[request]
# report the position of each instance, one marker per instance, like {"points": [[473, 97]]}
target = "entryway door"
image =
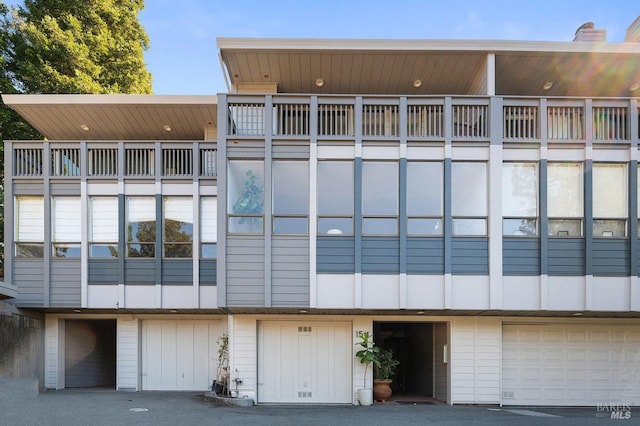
{"points": [[179, 354], [304, 362]]}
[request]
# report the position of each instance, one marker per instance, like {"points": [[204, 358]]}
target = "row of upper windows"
{"points": [[379, 198], [103, 227], [103, 162], [428, 121]]}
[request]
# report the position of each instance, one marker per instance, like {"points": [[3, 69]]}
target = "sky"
{"points": [[183, 57]]}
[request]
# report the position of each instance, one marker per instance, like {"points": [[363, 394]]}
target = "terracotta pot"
{"points": [[381, 390]]}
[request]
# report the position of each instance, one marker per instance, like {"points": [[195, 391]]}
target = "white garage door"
{"points": [[308, 362], [576, 365], [179, 354]]}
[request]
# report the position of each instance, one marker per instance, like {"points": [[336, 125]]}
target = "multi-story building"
{"points": [[473, 204]]}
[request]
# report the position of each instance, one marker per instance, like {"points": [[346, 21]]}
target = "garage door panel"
{"points": [[591, 364], [179, 354], [304, 362]]}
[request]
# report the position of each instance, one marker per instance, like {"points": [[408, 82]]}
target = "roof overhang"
{"points": [[117, 117], [455, 67]]}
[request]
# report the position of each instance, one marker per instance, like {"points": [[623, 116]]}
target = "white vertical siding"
{"points": [[243, 349], [475, 360], [51, 353], [360, 325], [127, 348]]}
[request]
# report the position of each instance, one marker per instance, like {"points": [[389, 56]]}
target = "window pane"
{"points": [[29, 250], [519, 189], [291, 187], [335, 188], [178, 250], [141, 226], [424, 226], [209, 251], [209, 219], [103, 250], [609, 228], [66, 250], [468, 189], [246, 188], [564, 182], [178, 220], [609, 191], [245, 225], [335, 225], [379, 226], [30, 218], [469, 227], [520, 227], [379, 188], [424, 188], [290, 225], [104, 219], [66, 219], [565, 227]]}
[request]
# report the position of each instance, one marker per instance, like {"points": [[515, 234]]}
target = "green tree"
{"points": [[77, 46]]}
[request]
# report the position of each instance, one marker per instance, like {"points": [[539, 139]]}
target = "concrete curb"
{"points": [[226, 401]]}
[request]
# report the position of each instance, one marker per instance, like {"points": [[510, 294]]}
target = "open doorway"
{"points": [[90, 353], [421, 348]]}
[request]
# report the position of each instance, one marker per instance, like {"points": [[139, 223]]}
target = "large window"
{"points": [[208, 227], [290, 197], [610, 195], [424, 198], [469, 198], [379, 198], [520, 199], [245, 197], [141, 226], [335, 197], [103, 228], [65, 226], [29, 227], [178, 227], [565, 199]]}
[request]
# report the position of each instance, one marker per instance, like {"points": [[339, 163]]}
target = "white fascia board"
{"points": [[415, 45], [108, 99]]}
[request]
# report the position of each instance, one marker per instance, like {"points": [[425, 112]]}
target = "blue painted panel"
{"points": [[520, 256], [140, 271], [28, 277], [335, 255], [103, 271], [177, 272], [65, 283], [425, 255], [611, 258], [380, 255], [566, 256], [470, 255], [208, 270]]}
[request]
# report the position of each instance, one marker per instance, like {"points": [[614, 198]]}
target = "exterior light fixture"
{"points": [[303, 311], [634, 87], [417, 83], [84, 127], [166, 128], [548, 85], [420, 312], [577, 314], [173, 311], [77, 311], [319, 82]]}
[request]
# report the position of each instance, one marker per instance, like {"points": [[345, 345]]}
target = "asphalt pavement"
{"points": [[107, 407]]}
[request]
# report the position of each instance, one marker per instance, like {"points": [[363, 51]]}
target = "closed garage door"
{"points": [[179, 355], [307, 362], [575, 365]]}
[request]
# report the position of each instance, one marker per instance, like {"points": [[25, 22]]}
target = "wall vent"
{"points": [[304, 394], [508, 395], [302, 329]]}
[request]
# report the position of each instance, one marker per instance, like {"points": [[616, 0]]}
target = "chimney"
{"points": [[633, 32], [587, 32]]}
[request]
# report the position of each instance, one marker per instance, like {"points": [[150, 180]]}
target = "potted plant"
{"points": [[367, 355], [384, 370]]}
